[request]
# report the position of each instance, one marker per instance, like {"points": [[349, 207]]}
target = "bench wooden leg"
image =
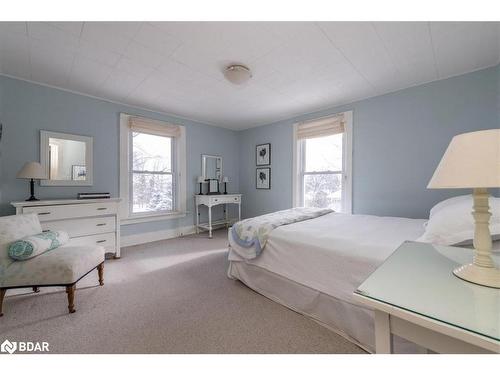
{"points": [[36, 289], [100, 271], [2, 295], [70, 290]]}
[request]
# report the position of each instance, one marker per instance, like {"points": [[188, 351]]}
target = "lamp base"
{"points": [[485, 276], [32, 198]]}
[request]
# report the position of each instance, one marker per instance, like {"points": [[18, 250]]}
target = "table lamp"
{"points": [[472, 160], [225, 180], [32, 171], [201, 180]]}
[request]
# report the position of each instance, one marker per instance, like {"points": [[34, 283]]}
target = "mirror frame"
{"points": [[44, 157], [204, 165]]}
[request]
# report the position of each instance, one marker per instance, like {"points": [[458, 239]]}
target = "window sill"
{"points": [[154, 217]]}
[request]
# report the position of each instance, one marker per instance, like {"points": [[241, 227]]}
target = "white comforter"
{"points": [[334, 253]]}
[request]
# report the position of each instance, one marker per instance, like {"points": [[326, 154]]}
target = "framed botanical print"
{"points": [[263, 154], [263, 178]]}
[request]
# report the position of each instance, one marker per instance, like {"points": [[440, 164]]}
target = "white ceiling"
{"points": [[298, 67]]}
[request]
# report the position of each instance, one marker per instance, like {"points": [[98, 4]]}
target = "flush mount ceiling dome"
{"points": [[237, 74]]}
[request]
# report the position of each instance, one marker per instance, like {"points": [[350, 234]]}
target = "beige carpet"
{"points": [[170, 296]]}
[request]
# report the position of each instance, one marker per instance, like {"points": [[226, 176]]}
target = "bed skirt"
{"points": [[353, 322]]}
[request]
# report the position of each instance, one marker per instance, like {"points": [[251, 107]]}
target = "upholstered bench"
{"points": [[63, 266]]}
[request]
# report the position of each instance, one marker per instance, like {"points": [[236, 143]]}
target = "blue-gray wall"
{"points": [[398, 141], [27, 108]]}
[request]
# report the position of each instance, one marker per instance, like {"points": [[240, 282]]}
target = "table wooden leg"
{"points": [[100, 271], [383, 336], [70, 290], [2, 295]]}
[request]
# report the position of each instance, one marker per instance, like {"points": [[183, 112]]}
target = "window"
{"points": [[152, 173], [152, 169], [323, 163]]}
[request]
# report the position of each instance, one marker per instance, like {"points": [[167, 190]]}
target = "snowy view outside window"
{"points": [[152, 182], [322, 172]]}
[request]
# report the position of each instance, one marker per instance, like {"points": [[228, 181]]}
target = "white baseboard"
{"points": [[140, 238]]}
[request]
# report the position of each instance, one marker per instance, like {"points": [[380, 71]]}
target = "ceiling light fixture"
{"points": [[237, 74]]}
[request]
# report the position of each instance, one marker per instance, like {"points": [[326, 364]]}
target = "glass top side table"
{"points": [[416, 296]]}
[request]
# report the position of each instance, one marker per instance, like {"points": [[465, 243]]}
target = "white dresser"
{"points": [[214, 200], [87, 221]]}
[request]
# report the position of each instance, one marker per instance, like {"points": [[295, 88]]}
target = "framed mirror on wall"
{"points": [[211, 169], [66, 158]]}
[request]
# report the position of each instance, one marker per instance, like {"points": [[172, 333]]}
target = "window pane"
{"points": [[324, 154], [323, 191], [152, 153], [152, 192]]}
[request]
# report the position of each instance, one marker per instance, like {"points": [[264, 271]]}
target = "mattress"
{"points": [[333, 253]]}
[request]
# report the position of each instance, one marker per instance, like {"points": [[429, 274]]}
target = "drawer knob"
{"points": [[44, 213], [102, 208], [100, 224], [100, 241]]}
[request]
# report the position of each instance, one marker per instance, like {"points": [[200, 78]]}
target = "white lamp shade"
{"points": [[225, 179], [472, 160], [32, 169], [201, 179]]}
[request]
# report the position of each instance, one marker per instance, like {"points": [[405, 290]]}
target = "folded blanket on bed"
{"points": [[251, 234]]}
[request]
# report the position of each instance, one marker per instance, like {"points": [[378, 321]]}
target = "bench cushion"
{"points": [[64, 265]]}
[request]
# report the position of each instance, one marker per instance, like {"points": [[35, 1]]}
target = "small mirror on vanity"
{"points": [[66, 158], [211, 169]]}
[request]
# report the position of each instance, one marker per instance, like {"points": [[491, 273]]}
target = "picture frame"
{"points": [[263, 178], [78, 172], [263, 154]]}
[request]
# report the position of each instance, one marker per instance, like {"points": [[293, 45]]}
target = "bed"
{"points": [[313, 267]]}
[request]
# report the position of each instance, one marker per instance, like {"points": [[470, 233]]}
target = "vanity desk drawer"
{"points": [[222, 199]]}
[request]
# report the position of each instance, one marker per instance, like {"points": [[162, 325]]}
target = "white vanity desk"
{"points": [[214, 200]]}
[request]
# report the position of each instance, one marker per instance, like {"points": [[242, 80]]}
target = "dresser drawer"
{"points": [[107, 240], [48, 213], [221, 200], [82, 227]]}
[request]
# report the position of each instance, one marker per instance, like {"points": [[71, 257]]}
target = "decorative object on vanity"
{"points": [[61, 266], [263, 178], [201, 181], [263, 154], [66, 159], [94, 195], [472, 160], [225, 180], [214, 200], [213, 186], [87, 221], [237, 74], [32, 171]]}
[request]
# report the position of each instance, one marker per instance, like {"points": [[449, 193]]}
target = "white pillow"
{"points": [[451, 222]]}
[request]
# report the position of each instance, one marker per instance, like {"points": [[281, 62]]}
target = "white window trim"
{"points": [[180, 178], [347, 166]]}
